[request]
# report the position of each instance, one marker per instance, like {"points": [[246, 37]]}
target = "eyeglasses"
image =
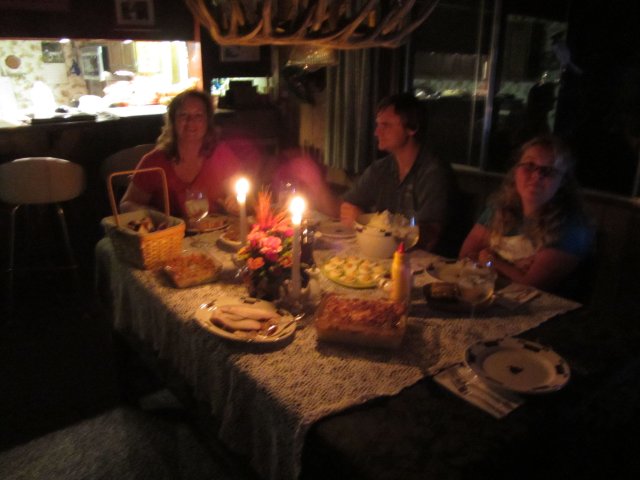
{"points": [[545, 171]]}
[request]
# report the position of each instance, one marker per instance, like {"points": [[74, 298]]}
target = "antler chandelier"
{"points": [[340, 24]]}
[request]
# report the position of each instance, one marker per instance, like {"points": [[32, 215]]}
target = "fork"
{"points": [[275, 327], [496, 409], [470, 377]]}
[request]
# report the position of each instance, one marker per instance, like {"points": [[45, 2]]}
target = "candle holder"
{"points": [[308, 298]]}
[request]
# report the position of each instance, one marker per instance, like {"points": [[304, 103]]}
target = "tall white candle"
{"points": [[242, 187], [296, 207]]}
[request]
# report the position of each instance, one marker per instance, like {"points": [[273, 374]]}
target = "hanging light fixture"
{"points": [[335, 24]]}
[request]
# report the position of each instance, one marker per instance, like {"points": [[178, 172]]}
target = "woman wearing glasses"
{"points": [[534, 230]]}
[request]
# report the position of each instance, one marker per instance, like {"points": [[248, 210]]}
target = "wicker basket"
{"points": [[150, 250]]}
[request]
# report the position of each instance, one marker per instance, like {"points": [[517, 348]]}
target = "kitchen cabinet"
{"points": [[122, 56]]}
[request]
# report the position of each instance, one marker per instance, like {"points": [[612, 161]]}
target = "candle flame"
{"points": [[296, 207], [242, 187]]}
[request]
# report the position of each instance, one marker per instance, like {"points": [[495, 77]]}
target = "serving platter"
{"points": [[354, 272], [218, 317], [518, 365]]}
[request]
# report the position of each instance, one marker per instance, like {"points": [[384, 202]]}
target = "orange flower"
{"points": [[255, 263], [265, 218]]}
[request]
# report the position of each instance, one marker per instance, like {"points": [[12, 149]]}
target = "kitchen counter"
{"points": [[109, 114]]}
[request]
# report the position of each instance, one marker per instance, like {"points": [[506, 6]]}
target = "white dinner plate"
{"points": [[210, 223], [518, 365], [336, 231], [206, 312]]}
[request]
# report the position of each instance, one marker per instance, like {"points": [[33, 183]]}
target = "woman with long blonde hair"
{"points": [[534, 230], [192, 159]]}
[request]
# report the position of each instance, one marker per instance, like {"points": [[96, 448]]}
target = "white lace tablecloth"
{"points": [[267, 398]]}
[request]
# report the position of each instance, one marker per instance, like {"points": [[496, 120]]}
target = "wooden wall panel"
{"points": [[97, 19]]}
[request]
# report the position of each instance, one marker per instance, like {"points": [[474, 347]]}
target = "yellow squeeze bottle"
{"points": [[400, 277]]}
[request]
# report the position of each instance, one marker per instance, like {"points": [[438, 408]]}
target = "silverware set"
{"points": [[468, 384]]}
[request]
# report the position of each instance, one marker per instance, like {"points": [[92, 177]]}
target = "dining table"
{"points": [[304, 408]]}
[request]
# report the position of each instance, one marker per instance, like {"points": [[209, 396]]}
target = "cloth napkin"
{"points": [[496, 403], [514, 295]]}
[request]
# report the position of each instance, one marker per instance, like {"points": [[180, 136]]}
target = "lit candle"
{"points": [[296, 207], [242, 187]]}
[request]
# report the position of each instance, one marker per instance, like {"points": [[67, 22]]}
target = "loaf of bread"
{"points": [[367, 322], [192, 269]]}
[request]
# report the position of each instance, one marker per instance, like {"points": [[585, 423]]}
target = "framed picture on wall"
{"points": [[135, 12], [231, 61]]}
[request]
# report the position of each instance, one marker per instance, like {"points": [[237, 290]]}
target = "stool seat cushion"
{"points": [[40, 180]]}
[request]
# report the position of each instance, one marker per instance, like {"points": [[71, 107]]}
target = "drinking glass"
{"points": [[196, 206], [406, 229], [476, 283], [286, 190]]}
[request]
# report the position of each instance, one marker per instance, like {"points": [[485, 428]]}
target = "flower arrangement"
{"points": [[267, 253]]}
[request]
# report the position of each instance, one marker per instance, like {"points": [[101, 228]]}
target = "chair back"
{"points": [[126, 159], [40, 180]]}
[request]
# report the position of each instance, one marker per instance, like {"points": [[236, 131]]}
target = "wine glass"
{"points": [[406, 229], [476, 283], [286, 190], [196, 207]]}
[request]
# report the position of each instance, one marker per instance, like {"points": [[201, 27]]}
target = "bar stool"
{"points": [[39, 181]]}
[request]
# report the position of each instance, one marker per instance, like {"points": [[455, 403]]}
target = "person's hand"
{"points": [[349, 213], [524, 263], [486, 255]]}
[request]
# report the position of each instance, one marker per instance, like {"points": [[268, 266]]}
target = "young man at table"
{"points": [[409, 180]]}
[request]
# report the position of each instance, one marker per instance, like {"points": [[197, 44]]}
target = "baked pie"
{"points": [[192, 269], [367, 322]]}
